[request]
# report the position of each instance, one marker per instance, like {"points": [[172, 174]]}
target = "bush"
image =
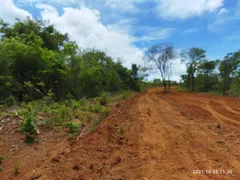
{"points": [[72, 127], [104, 99], [124, 95], [28, 128]]}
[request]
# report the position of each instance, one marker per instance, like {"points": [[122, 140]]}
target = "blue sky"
{"points": [[126, 28]]}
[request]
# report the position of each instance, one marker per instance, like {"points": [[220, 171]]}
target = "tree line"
{"points": [[37, 60], [203, 75]]}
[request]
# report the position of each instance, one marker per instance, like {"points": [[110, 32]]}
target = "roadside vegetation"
{"points": [[46, 79]]}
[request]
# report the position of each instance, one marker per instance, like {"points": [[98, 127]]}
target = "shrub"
{"points": [[75, 105], [72, 127], [104, 99], [124, 95], [96, 122], [28, 128]]}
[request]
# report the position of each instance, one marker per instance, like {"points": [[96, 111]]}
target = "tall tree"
{"points": [[161, 57], [228, 70], [192, 58]]}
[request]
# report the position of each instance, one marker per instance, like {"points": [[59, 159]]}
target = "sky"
{"points": [[125, 29]]}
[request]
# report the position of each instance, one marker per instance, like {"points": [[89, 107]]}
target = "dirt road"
{"points": [[154, 136]]}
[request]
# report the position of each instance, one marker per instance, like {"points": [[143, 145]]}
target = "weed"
{"points": [[82, 102], [89, 116], [72, 127], [1, 159], [95, 108], [104, 99], [96, 122], [122, 129], [16, 168], [28, 128], [63, 111], [75, 105], [1, 169], [124, 95], [91, 129]]}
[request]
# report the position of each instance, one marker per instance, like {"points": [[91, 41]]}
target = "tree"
{"points": [[228, 70], [161, 57], [192, 58], [206, 78]]}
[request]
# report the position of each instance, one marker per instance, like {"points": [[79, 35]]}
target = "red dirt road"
{"points": [[151, 136]]}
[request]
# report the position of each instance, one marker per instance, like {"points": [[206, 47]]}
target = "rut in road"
{"points": [[156, 136]]}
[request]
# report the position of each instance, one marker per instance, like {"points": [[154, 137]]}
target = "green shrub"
{"points": [[104, 99], [95, 108], [28, 127], [63, 111], [96, 122], [91, 129], [75, 105], [124, 95], [72, 127]]}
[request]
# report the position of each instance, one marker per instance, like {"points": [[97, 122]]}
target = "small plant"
{"points": [[124, 95], [1, 159], [104, 99], [72, 127], [63, 111], [16, 168], [96, 122], [122, 129], [95, 108], [28, 128], [75, 105], [89, 116], [91, 129]]}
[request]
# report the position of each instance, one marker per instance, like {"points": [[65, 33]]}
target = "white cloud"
{"points": [[84, 26], [191, 30], [154, 34], [222, 11], [9, 12], [182, 9], [60, 2]]}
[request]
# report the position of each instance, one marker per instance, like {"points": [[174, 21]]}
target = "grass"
{"points": [[180, 88]]}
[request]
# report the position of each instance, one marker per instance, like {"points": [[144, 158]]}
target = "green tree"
{"points": [[192, 58]]}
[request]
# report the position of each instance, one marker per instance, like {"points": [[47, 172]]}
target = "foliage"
{"points": [[28, 127], [124, 95], [104, 99], [37, 61], [215, 76], [193, 57]]}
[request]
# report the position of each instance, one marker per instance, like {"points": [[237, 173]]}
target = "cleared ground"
{"points": [[151, 136]]}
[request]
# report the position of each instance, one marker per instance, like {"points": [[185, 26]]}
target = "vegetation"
{"points": [[36, 59], [216, 76]]}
